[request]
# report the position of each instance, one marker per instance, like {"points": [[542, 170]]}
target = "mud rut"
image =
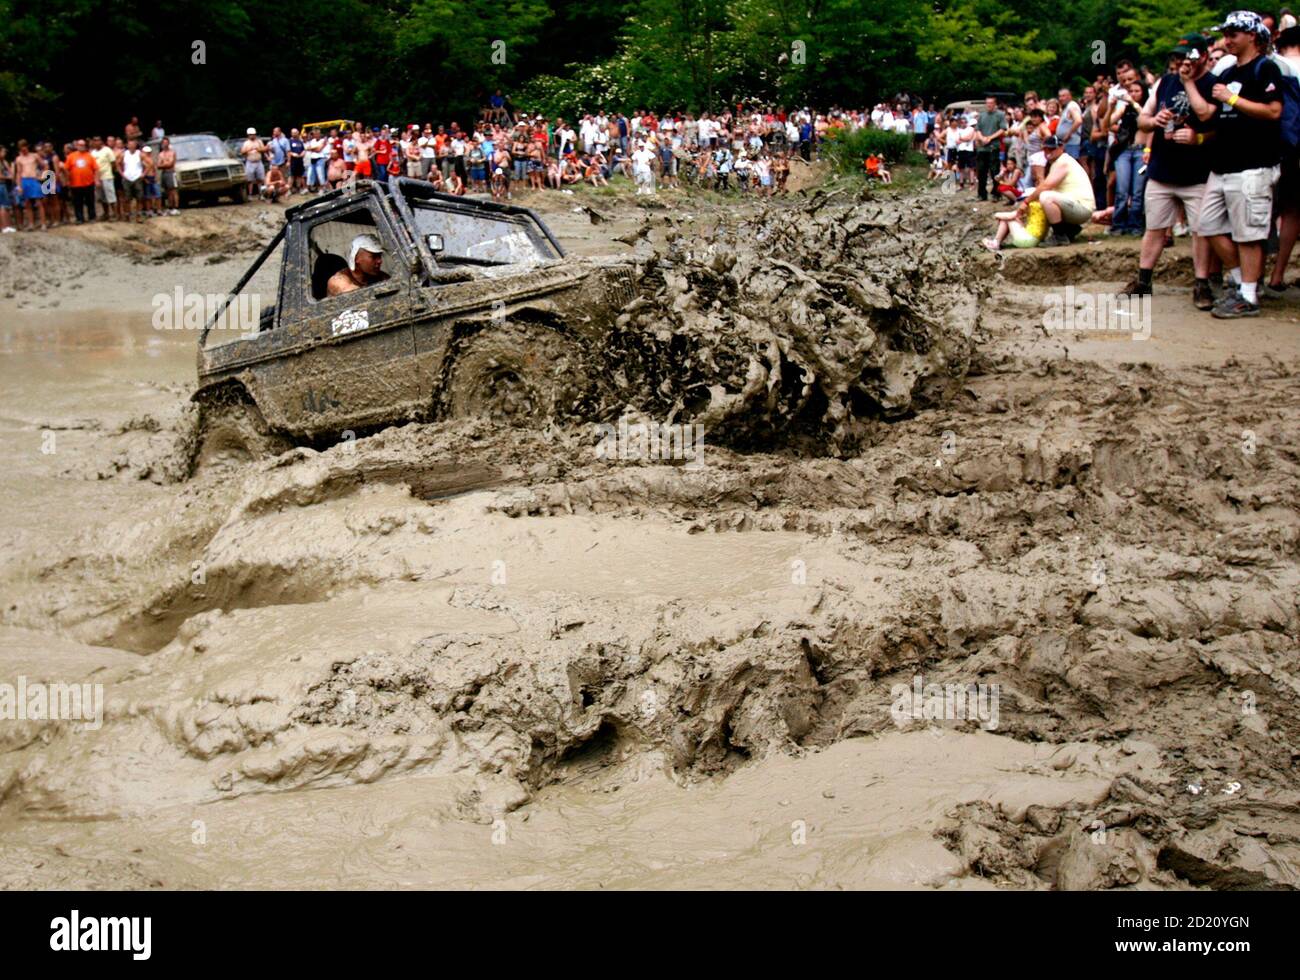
{"points": [[1094, 540]]}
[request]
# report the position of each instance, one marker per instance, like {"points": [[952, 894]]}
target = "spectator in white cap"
{"points": [[253, 152], [365, 257]]}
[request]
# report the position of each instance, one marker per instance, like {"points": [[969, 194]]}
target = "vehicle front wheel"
{"points": [[520, 374], [240, 194], [233, 431]]}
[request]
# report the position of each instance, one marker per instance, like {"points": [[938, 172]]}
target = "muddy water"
{"points": [[318, 671]]}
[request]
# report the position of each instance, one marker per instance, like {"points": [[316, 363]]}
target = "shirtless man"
{"points": [[276, 186], [254, 168], [364, 147], [167, 176], [364, 260], [501, 161], [27, 171]]}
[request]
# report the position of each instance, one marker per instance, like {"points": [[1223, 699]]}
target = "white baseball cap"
{"points": [[367, 243], [252, 131]]}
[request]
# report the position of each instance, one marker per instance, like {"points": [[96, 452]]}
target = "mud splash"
{"points": [[796, 326]]}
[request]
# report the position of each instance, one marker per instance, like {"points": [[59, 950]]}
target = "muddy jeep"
{"points": [[482, 314]]}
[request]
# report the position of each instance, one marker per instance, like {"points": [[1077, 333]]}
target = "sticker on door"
{"points": [[349, 321]]}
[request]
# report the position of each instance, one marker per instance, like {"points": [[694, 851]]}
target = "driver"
{"points": [[364, 260]]}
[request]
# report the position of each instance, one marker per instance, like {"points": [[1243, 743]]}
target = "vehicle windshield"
{"points": [[482, 238], [192, 148]]}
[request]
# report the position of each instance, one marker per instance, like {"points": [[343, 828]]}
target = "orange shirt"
{"points": [[81, 169]]}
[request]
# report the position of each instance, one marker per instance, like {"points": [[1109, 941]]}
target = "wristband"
{"points": [[1232, 99]]}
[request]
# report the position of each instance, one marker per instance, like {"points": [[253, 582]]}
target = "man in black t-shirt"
{"points": [[1179, 165], [1245, 106]]}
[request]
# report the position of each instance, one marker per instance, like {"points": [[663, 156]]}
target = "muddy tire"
{"points": [[520, 374], [232, 431]]}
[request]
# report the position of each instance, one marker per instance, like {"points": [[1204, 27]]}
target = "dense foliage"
{"points": [[88, 65]]}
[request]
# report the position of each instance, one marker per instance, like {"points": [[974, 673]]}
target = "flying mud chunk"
{"points": [[801, 324]]}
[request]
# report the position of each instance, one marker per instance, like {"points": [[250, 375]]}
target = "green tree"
{"points": [[977, 45], [1154, 26]]}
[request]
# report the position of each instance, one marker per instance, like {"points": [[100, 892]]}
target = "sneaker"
{"points": [[8, 231], [1053, 240], [1234, 305], [1137, 287], [991, 244], [1202, 296]]}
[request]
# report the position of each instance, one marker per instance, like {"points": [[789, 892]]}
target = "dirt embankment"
{"points": [[456, 631]]}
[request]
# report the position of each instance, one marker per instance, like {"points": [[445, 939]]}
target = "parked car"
{"points": [[204, 168]]}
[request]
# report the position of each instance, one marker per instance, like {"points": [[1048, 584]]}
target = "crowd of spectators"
{"points": [[1209, 148]]}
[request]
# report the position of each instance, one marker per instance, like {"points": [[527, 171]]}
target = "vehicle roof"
{"points": [[409, 189]]}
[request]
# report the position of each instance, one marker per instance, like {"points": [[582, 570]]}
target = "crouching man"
{"points": [[1065, 194]]}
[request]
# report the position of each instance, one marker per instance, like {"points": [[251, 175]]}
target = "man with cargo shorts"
{"points": [[1178, 167], [1245, 105]]}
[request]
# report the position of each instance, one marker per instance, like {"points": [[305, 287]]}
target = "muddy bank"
{"points": [[452, 654]]}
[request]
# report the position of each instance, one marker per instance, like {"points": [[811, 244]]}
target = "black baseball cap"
{"points": [[1052, 143], [1191, 42]]}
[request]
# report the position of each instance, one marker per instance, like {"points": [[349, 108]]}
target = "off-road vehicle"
{"points": [[482, 314], [204, 168]]}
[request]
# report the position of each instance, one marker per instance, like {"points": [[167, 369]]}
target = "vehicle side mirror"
{"points": [[435, 243]]}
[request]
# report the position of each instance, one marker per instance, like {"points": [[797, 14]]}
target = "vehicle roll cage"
{"points": [[392, 195]]}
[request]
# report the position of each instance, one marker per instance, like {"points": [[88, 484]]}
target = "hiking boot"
{"points": [[1202, 296], [1053, 240], [1234, 305], [1137, 288]]}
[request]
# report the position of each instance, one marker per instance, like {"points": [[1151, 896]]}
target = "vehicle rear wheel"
{"points": [[233, 431], [518, 373]]}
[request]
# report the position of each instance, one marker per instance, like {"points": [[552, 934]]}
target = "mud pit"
{"points": [[461, 656]]}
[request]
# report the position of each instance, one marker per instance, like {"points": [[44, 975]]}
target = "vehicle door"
{"points": [[354, 363]]}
